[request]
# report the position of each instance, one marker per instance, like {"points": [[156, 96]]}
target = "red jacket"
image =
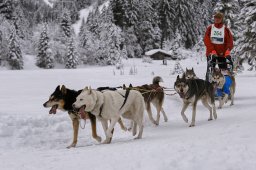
{"points": [[219, 48]]}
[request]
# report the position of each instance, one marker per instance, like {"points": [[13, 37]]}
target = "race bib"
{"points": [[217, 35]]}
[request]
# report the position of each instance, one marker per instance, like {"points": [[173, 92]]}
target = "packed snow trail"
{"points": [[33, 139]]}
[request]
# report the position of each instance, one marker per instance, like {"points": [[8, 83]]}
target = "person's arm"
{"points": [[207, 39]]}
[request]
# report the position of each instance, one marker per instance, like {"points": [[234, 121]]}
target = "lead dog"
{"points": [[110, 105], [63, 98], [193, 90]]}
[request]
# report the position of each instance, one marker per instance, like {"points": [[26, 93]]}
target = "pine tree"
{"points": [[246, 47], [72, 58], [118, 12], [131, 10], [7, 8], [177, 69], [66, 23], [166, 16], [134, 49], [110, 45], [21, 24], [5, 31], [15, 58], [44, 57], [186, 22], [149, 37]]}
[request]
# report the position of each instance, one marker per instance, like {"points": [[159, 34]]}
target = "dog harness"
{"points": [[125, 99], [226, 87]]}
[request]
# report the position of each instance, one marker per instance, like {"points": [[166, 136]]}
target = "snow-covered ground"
{"points": [[31, 139]]}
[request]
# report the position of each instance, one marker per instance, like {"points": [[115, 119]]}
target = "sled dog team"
{"points": [[111, 105]]}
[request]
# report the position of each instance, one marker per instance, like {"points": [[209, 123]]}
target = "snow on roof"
{"points": [[151, 52]]}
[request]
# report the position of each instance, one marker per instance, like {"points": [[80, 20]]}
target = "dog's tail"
{"points": [[157, 80], [233, 83]]}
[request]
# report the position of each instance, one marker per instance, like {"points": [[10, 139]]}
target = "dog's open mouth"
{"points": [[53, 109], [182, 95], [82, 112]]}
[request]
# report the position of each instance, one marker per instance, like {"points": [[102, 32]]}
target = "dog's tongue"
{"points": [[53, 109], [182, 95], [82, 113]]}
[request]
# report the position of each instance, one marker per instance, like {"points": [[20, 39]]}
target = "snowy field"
{"points": [[31, 139]]}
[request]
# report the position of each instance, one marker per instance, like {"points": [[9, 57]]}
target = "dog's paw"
{"points": [[138, 137], [220, 107], [106, 141], [156, 123], [98, 138], [73, 145], [231, 104], [110, 135], [191, 125], [166, 119], [215, 115], [185, 119], [209, 119]]}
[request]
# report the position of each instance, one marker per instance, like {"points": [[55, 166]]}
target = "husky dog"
{"points": [[63, 98], [226, 85], [110, 105], [190, 74], [152, 93], [193, 90]]}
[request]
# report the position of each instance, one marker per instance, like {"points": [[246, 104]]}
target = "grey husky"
{"points": [[193, 90], [190, 74]]}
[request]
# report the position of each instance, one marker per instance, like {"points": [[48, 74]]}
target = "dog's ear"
{"points": [[90, 90], [124, 86], [57, 88], [186, 69], [63, 89], [130, 85], [192, 68], [178, 77], [86, 88]]}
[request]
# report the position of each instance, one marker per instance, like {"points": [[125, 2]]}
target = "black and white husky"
{"points": [[111, 105], [193, 90]]}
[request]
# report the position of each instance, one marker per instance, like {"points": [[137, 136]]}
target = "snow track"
{"points": [[32, 139]]}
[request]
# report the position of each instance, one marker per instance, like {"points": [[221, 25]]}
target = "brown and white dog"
{"points": [[152, 93]]}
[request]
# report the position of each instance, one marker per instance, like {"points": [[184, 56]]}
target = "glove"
{"points": [[214, 53], [227, 53]]}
